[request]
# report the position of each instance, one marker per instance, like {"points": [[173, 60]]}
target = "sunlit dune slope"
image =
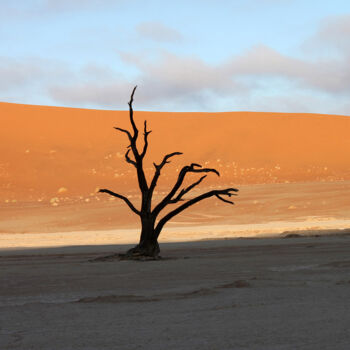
{"points": [[49, 151]]}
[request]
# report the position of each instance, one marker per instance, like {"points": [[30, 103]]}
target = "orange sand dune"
{"points": [[49, 152]]}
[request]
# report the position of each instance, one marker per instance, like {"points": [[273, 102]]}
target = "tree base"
{"points": [[141, 252], [125, 256], [146, 249]]}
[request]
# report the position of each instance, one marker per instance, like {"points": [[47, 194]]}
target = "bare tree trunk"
{"points": [[148, 244]]}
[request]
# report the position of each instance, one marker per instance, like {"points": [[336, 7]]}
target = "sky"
{"points": [[205, 56]]}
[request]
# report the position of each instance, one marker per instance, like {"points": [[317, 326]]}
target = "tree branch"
{"points": [[145, 134], [133, 146], [131, 115], [226, 192], [126, 200], [166, 160], [225, 200], [128, 159], [186, 169], [125, 132], [186, 190], [159, 167]]}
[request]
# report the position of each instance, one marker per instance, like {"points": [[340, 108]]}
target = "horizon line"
{"points": [[151, 111]]}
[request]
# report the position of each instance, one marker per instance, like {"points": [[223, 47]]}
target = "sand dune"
{"points": [[55, 154]]}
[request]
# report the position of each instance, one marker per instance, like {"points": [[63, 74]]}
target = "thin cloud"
{"points": [[330, 75], [22, 80], [157, 31], [93, 85], [87, 94], [189, 81], [333, 32], [32, 71], [14, 73], [167, 81]]}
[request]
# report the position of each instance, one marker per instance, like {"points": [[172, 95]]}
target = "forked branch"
{"points": [[193, 168], [159, 167], [186, 190], [145, 135], [166, 160], [225, 200], [218, 193], [128, 159], [132, 138], [137, 161]]}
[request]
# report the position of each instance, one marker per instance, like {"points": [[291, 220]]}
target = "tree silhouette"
{"points": [[151, 224]]}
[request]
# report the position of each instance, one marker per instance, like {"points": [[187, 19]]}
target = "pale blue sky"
{"points": [[262, 55]]}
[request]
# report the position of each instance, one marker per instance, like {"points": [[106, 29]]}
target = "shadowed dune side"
{"points": [[62, 154]]}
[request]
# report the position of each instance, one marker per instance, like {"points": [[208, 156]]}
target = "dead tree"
{"points": [[151, 224]]}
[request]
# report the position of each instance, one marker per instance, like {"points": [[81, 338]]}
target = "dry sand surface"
{"points": [[293, 172], [233, 294], [313, 205]]}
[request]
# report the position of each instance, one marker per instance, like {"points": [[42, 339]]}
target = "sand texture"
{"points": [[239, 294]]}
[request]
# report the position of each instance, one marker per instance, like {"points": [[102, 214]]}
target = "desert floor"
{"points": [[217, 287], [259, 209], [259, 294]]}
